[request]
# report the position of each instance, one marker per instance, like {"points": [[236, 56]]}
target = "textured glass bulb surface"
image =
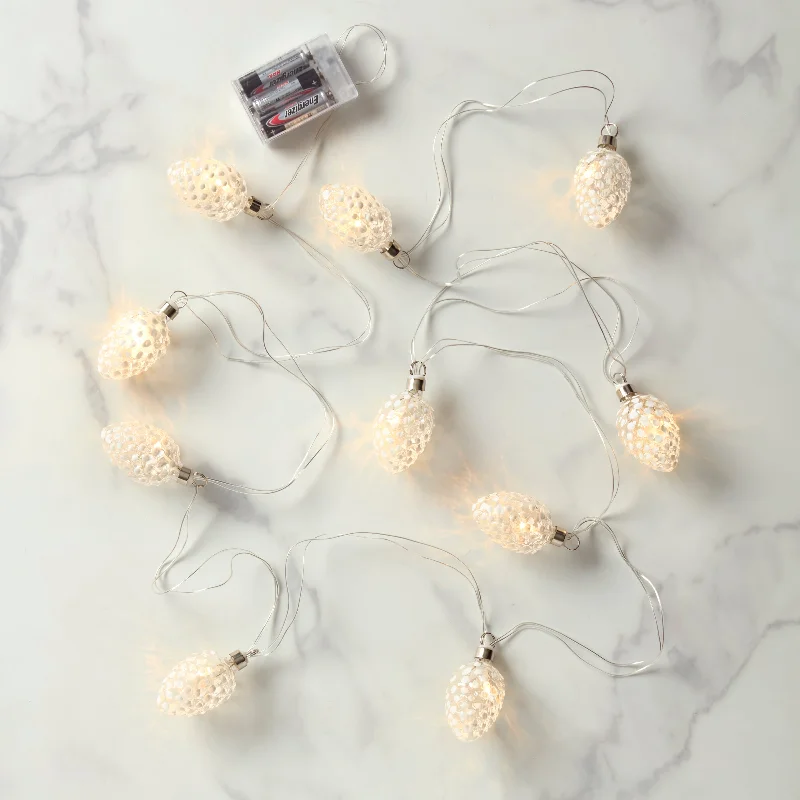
{"points": [[649, 431], [602, 184], [143, 452], [515, 521], [356, 217], [209, 186], [197, 685], [403, 429], [135, 342], [474, 699]]}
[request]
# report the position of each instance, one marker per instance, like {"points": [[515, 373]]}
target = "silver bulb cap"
{"points": [[416, 383], [258, 209], [237, 659], [607, 141], [188, 477], [394, 253], [484, 653], [624, 391], [560, 535], [168, 310]]}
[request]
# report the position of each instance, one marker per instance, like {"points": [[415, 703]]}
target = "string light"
{"points": [[199, 684], [215, 189], [404, 425], [144, 453], [602, 181], [474, 696], [360, 221], [136, 341], [648, 429], [515, 521], [150, 456]]}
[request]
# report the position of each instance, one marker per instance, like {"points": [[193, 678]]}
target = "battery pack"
{"points": [[295, 88]]}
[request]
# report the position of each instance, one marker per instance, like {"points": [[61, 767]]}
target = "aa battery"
{"points": [[276, 72], [301, 108], [264, 102]]}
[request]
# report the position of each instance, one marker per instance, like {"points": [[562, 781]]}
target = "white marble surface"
{"points": [[97, 99]]}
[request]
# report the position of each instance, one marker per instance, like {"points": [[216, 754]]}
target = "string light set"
{"points": [[475, 693], [286, 92]]}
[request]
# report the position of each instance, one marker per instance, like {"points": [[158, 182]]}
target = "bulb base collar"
{"points": [[607, 141], [168, 310], [258, 209], [394, 253], [624, 391], [237, 659], [188, 477], [560, 535]]}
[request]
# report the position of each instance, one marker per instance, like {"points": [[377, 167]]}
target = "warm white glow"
{"points": [[474, 699], [649, 432], [135, 342], [143, 452], [356, 217], [197, 685], [403, 429], [515, 521], [209, 186], [602, 184]]}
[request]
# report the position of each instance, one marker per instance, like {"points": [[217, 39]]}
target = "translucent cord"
{"points": [[180, 299], [175, 554], [586, 654], [444, 184], [583, 652], [289, 618], [326, 262], [614, 367], [572, 382], [342, 41]]}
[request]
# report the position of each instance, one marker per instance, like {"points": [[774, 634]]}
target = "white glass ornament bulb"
{"points": [[602, 184], [649, 431], [210, 187], [474, 699], [356, 217], [135, 342], [197, 685], [515, 521], [143, 452], [402, 430]]}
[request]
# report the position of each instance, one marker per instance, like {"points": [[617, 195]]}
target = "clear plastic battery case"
{"points": [[295, 88]]}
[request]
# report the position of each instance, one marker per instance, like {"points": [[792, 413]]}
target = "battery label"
{"points": [[300, 106]]}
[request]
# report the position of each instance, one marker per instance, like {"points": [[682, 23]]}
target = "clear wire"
{"points": [[586, 654], [175, 554], [582, 651], [471, 261], [293, 608], [465, 107], [327, 264], [328, 427]]}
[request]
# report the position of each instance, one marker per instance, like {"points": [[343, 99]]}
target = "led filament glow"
{"points": [[135, 342], [404, 426], [360, 221], [602, 182], [144, 453], [214, 189], [199, 683], [514, 521], [648, 429], [474, 697]]}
